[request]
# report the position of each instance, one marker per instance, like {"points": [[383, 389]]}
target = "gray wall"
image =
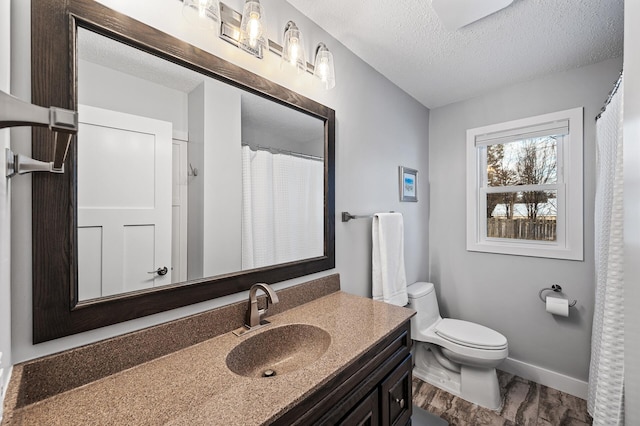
{"points": [[632, 210], [501, 291], [215, 195], [378, 128], [195, 216], [222, 174]]}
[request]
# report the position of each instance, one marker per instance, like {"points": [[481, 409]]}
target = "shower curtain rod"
{"points": [[611, 94], [282, 151]]}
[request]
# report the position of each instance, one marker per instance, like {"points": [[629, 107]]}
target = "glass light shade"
{"points": [[252, 24], [201, 13], [293, 48], [323, 67]]}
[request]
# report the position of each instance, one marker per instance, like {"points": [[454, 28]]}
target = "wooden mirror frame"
{"points": [[56, 309]]}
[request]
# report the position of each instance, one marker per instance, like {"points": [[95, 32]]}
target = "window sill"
{"points": [[530, 249]]}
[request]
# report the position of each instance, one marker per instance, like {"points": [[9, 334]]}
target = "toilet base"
{"points": [[477, 385], [480, 386], [428, 369]]}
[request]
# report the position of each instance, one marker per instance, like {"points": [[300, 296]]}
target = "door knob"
{"points": [[160, 271]]}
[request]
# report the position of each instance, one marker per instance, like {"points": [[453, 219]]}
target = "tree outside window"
{"points": [[514, 213]]}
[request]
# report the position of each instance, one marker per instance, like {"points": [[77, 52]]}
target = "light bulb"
{"points": [[323, 69], [294, 51], [293, 48], [251, 26], [255, 29]]}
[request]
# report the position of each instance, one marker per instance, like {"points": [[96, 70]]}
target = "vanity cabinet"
{"points": [[375, 389]]}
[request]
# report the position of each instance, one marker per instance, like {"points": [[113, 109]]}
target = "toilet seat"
{"points": [[470, 334], [463, 345]]}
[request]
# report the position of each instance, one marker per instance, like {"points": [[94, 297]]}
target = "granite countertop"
{"points": [[194, 386]]}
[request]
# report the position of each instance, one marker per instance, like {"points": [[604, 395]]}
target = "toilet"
{"points": [[457, 356]]}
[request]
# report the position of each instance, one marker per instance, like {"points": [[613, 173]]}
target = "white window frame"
{"points": [[569, 222]]}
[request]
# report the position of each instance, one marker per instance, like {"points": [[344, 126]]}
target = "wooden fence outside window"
{"points": [[542, 229]]}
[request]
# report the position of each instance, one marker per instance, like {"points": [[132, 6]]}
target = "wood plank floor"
{"points": [[523, 403]]}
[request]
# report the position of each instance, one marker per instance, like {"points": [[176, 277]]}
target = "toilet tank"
{"points": [[422, 298]]}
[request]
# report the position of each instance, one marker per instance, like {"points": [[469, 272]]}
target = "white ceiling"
{"points": [[406, 42]]}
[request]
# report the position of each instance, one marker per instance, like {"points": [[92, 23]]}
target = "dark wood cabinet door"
{"points": [[396, 395]]}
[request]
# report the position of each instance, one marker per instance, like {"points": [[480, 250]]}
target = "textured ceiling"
{"points": [[406, 42]]}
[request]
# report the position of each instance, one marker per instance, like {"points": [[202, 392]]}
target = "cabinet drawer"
{"points": [[366, 413], [396, 395]]}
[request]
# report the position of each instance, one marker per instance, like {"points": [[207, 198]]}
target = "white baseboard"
{"points": [[546, 377]]}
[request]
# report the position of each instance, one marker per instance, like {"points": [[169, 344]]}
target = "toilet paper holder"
{"points": [[555, 288]]}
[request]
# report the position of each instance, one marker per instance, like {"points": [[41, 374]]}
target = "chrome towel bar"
{"points": [[346, 216]]}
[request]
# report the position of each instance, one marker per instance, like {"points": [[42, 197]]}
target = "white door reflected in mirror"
{"points": [[124, 202]]}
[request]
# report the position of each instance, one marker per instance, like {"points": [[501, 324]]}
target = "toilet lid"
{"points": [[470, 334], [419, 289]]}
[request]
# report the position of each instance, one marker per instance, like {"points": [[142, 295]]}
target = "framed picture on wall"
{"points": [[408, 184]]}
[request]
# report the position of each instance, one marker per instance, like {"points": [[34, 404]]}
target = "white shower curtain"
{"points": [[282, 208], [606, 374]]}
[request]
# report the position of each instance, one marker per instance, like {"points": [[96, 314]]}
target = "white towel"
{"points": [[389, 282]]}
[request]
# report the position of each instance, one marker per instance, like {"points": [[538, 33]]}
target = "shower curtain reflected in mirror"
{"points": [[282, 208]]}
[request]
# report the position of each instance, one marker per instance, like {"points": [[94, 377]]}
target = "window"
{"points": [[524, 187]]}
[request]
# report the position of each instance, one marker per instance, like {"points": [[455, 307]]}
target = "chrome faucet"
{"points": [[254, 315]]}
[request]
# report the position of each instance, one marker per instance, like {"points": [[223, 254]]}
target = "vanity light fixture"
{"points": [[293, 47], [323, 67], [247, 31], [202, 13], [252, 24], [251, 40]]}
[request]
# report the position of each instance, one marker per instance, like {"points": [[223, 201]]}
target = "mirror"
{"points": [[190, 178], [184, 175]]}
